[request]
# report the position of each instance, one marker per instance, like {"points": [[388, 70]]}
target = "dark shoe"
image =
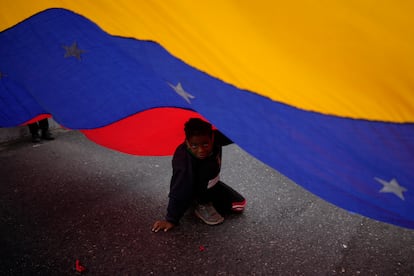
{"points": [[208, 214], [46, 135], [35, 138]]}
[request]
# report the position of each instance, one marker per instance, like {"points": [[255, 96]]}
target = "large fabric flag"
{"points": [[322, 91]]}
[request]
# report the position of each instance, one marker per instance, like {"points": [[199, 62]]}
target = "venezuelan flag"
{"points": [[322, 91]]}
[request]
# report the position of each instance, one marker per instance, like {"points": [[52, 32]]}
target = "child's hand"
{"points": [[162, 225]]}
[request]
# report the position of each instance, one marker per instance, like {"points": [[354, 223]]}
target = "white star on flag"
{"points": [[392, 187], [73, 51], [180, 91]]}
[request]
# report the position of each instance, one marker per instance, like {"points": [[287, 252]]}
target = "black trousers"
{"points": [[43, 125], [224, 198]]}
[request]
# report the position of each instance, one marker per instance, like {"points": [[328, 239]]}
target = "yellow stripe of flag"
{"points": [[351, 58]]}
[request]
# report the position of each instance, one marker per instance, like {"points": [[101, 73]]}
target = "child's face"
{"points": [[201, 146]]}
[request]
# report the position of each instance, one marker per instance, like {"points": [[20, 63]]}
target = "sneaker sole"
{"points": [[206, 221]]}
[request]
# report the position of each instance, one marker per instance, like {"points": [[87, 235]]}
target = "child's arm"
{"points": [[180, 195], [181, 191], [176, 209]]}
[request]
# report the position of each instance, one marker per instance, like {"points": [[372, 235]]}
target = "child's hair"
{"points": [[197, 127]]}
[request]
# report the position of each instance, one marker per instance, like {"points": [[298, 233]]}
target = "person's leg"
{"points": [[204, 209], [44, 124], [226, 199], [34, 130], [44, 127]]}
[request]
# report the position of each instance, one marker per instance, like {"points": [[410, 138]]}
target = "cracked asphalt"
{"points": [[70, 199]]}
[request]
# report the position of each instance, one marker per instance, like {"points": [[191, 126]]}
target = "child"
{"points": [[196, 169]]}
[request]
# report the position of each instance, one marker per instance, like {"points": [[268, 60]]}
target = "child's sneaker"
{"points": [[208, 214]]}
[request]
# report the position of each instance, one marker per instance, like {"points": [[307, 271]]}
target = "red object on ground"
{"points": [[79, 267], [202, 248]]}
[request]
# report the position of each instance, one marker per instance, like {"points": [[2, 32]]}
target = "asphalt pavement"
{"points": [[70, 199]]}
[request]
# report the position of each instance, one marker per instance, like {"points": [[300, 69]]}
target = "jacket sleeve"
{"points": [[181, 187]]}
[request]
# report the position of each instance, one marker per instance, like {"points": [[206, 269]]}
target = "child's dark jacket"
{"points": [[191, 176]]}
